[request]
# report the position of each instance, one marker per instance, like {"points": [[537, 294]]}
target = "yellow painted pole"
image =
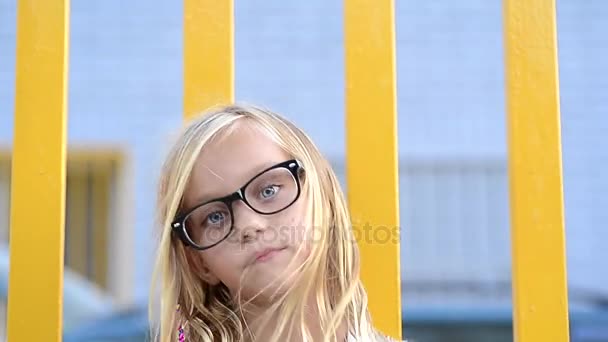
{"points": [[535, 170], [208, 54], [372, 158], [38, 174]]}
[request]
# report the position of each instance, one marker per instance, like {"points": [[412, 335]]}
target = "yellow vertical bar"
{"points": [[372, 158], [38, 173], [535, 169], [208, 54]]}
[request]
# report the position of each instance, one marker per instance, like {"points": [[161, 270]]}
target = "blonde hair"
{"points": [[330, 275]]}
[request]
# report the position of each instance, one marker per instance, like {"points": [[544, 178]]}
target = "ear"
{"points": [[200, 267]]}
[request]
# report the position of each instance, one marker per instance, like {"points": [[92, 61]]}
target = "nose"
{"points": [[248, 224]]}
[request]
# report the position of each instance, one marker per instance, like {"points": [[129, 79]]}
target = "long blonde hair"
{"points": [[330, 275]]}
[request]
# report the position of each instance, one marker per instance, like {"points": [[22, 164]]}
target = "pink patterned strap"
{"points": [[181, 337]]}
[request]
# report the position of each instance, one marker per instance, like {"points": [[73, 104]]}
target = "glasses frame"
{"points": [[179, 223]]}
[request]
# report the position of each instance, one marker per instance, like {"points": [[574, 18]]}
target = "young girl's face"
{"points": [[254, 257]]}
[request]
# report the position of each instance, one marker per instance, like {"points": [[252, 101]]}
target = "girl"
{"points": [[256, 241]]}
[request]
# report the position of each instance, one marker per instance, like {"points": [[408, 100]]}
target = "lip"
{"points": [[267, 254]]}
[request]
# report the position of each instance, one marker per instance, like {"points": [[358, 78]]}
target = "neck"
{"points": [[255, 318]]}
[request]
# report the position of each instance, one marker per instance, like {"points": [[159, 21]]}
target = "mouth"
{"points": [[267, 254]]}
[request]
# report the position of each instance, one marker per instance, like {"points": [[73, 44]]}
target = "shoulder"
{"points": [[378, 338], [388, 339]]}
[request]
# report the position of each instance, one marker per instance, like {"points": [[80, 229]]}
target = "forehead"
{"points": [[227, 163]]}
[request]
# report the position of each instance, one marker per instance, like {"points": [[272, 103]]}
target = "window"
{"points": [[91, 183]]}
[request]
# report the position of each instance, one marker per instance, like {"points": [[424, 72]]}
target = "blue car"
{"points": [[432, 326], [129, 325], [82, 300]]}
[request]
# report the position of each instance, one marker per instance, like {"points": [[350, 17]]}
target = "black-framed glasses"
{"points": [[269, 192]]}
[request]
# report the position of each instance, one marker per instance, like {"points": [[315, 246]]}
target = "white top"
{"points": [[352, 338]]}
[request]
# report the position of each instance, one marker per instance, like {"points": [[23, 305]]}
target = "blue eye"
{"points": [[215, 218], [269, 191]]}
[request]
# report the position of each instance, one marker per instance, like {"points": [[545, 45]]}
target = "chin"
{"points": [[267, 286]]}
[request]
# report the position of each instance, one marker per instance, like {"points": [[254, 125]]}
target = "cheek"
{"points": [[223, 262], [295, 226]]}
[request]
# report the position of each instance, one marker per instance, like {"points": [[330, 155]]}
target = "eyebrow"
{"points": [[206, 198], [213, 172]]}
